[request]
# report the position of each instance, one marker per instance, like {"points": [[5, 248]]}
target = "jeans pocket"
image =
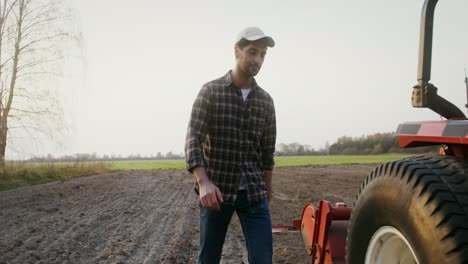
{"points": [[260, 207]]}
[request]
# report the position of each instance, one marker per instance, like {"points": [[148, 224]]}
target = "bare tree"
{"points": [[32, 33]]}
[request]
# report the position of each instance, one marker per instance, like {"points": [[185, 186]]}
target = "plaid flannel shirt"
{"points": [[231, 138]]}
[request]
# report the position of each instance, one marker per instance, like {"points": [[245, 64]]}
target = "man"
{"points": [[229, 149]]}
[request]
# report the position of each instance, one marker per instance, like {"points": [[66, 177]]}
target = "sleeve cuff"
{"points": [[192, 166]]}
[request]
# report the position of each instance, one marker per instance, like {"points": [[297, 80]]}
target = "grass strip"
{"points": [[16, 175], [293, 161]]}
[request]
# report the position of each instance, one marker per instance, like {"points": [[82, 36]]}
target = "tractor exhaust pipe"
{"points": [[424, 93], [425, 42]]}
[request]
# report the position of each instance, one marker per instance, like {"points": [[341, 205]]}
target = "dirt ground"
{"points": [[150, 216]]}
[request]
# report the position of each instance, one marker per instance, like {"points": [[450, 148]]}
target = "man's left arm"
{"points": [[268, 175], [268, 149]]}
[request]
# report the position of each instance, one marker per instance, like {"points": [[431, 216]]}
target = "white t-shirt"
{"points": [[245, 92]]}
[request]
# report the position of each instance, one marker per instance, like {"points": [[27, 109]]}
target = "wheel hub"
{"points": [[389, 246]]}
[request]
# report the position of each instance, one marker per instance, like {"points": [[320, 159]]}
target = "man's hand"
{"points": [[268, 175], [269, 196], [210, 195]]}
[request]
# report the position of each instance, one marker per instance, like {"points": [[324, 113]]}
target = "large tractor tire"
{"points": [[413, 210]]}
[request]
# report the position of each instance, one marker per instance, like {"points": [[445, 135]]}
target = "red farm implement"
{"points": [[413, 210]]}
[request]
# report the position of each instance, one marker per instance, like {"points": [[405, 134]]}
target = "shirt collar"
{"points": [[229, 82]]}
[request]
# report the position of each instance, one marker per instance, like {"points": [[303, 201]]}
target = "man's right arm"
{"points": [[210, 196], [197, 130]]}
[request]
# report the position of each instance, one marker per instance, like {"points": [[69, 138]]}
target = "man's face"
{"points": [[250, 59]]}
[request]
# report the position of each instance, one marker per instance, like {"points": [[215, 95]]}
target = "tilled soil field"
{"points": [[150, 216]]}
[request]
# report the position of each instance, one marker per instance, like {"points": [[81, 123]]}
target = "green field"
{"points": [[26, 174], [280, 161], [336, 160], [148, 165]]}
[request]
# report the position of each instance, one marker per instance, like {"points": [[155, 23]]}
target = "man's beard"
{"points": [[253, 70]]}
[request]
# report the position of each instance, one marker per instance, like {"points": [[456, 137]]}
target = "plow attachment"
{"points": [[323, 231]]}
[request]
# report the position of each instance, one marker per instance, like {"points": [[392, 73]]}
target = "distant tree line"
{"points": [[113, 157], [297, 149], [379, 143]]}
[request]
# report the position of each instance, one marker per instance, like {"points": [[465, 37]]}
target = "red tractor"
{"points": [[413, 210]]}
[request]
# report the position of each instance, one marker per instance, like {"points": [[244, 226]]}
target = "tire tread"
{"points": [[441, 183]]}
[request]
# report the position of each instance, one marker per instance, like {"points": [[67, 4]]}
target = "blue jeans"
{"points": [[256, 225]]}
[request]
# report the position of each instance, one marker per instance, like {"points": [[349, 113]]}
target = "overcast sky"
{"points": [[339, 68]]}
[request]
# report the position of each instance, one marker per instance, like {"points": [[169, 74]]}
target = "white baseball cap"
{"points": [[253, 34]]}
